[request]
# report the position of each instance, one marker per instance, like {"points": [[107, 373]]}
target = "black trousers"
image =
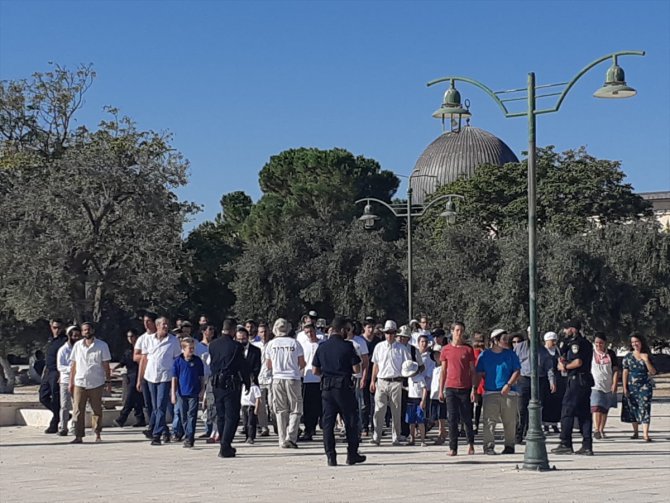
{"points": [[250, 420], [227, 413], [148, 403], [368, 408], [339, 401], [50, 396], [404, 427], [459, 409], [523, 387], [576, 404], [311, 406], [134, 401]]}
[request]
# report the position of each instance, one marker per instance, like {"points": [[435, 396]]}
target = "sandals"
{"points": [[647, 439]]}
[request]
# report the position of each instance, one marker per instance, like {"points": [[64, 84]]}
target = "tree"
{"points": [[575, 191]]}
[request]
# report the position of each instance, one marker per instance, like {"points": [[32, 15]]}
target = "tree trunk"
{"points": [[97, 302], [7, 378]]}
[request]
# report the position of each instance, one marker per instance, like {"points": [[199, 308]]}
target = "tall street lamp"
{"points": [[409, 211], [535, 457]]}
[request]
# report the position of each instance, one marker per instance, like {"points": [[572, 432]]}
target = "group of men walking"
{"points": [[361, 376]]}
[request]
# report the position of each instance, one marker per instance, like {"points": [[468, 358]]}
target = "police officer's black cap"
{"points": [[574, 323]]}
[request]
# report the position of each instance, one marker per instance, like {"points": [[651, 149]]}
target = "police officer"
{"points": [[229, 371], [335, 361], [576, 401]]}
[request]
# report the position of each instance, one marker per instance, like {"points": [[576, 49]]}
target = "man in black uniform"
{"points": [[576, 401], [229, 371], [49, 387], [335, 361]]}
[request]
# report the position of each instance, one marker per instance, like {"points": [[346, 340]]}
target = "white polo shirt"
{"points": [[309, 349], [389, 359], [161, 354], [88, 359], [284, 352]]}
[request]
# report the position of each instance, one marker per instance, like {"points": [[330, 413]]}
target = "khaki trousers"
{"points": [[287, 406], [94, 397], [388, 394], [496, 408]]}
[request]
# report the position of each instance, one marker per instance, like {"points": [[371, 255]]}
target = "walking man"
{"points": [[89, 373], [49, 387], [73, 334]]}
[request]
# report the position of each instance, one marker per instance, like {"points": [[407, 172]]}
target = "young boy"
{"points": [[251, 402], [416, 404], [188, 378], [438, 410]]}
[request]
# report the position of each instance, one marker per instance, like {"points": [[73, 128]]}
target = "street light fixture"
{"points": [[409, 211], [535, 456]]}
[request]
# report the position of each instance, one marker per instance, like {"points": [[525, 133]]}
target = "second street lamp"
{"points": [[409, 211], [535, 455]]}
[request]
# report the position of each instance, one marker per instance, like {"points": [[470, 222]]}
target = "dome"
{"points": [[454, 155]]}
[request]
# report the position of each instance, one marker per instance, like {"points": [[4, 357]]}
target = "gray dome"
{"points": [[454, 155]]}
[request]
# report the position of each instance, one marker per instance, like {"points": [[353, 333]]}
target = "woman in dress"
{"points": [[637, 386], [605, 371]]}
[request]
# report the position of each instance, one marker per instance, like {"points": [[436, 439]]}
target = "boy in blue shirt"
{"points": [[188, 379]]}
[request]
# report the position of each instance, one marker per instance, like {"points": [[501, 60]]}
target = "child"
{"points": [[438, 410], [188, 378], [416, 404], [251, 402]]}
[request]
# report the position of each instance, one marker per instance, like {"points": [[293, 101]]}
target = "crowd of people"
{"points": [[415, 383]]}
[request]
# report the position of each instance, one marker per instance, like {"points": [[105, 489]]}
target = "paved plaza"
{"points": [[38, 468]]}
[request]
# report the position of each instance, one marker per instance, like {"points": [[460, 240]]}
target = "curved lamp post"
{"points": [[409, 211], [535, 457]]}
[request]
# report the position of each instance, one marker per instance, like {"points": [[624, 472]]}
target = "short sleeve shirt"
{"points": [[389, 359], [459, 359], [90, 372], [284, 353], [309, 349], [249, 399], [161, 354], [188, 374], [336, 358], [580, 348], [416, 385]]}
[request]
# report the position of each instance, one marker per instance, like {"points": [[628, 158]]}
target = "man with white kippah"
{"points": [[387, 379], [63, 362], [552, 403]]}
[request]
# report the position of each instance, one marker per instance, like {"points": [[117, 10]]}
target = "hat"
{"points": [[308, 324], [573, 323], [550, 336], [498, 332], [186, 324], [321, 323], [390, 326], [409, 368], [437, 347], [71, 328], [369, 319], [404, 332], [281, 328], [312, 314], [413, 321]]}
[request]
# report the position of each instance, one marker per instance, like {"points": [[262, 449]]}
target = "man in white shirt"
{"points": [[286, 359], [361, 347], [63, 363], [89, 372], [311, 384], [387, 380], [158, 354], [264, 380], [149, 320], [309, 318]]}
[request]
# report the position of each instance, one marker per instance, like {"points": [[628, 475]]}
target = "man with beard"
{"points": [[64, 362], [89, 373], [149, 320], [49, 388]]}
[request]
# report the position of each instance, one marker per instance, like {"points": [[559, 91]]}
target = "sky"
{"points": [[237, 82]]}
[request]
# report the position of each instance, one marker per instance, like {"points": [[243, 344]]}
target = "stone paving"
{"points": [[38, 468]]}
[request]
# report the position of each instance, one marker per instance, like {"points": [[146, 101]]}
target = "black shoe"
{"points": [[119, 423], [156, 441], [305, 438], [584, 452], [140, 424], [188, 443], [289, 445], [508, 450], [77, 440], [332, 461], [555, 428], [148, 434], [490, 451], [178, 438], [227, 453], [562, 449], [62, 433], [51, 429], [352, 459], [166, 438]]}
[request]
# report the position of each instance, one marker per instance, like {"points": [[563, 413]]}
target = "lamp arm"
{"points": [[437, 200], [391, 209], [474, 82], [586, 69]]}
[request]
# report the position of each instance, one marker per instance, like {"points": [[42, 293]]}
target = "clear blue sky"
{"points": [[237, 82]]}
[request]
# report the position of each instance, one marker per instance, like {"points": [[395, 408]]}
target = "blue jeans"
{"points": [[189, 414], [160, 394], [178, 417]]}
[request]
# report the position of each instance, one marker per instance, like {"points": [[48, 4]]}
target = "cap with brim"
{"points": [[309, 324], [409, 368], [404, 332], [498, 332], [437, 347], [390, 326], [281, 328], [550, 336]]}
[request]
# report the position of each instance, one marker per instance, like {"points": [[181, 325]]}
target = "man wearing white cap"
{"points": [[285, 357], [387, 379]]}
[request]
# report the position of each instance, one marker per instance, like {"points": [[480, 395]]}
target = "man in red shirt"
{"points": [[458, 383]]}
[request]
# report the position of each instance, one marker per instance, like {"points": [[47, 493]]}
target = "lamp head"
{"points": [[368, 218], [451, 105], [450, 212], [615, 84]]}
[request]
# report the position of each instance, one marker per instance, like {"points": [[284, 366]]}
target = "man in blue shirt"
{"points": [[188, 379]]}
